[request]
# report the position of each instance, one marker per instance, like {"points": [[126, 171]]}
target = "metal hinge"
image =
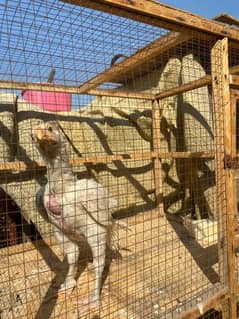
{"points": [[231, 162]]}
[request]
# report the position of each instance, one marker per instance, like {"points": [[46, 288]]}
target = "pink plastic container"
{"points": [[49, 101]]}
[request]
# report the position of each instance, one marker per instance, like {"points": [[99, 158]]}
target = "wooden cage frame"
{"points": [[181, 24]]}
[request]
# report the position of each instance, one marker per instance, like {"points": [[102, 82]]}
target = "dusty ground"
{"points": [[161, 269]]}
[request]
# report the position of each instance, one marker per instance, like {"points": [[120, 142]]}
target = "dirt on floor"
{"points": [[162, 271]]}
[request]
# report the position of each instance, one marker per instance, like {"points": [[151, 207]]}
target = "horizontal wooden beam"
{"points": [[57, 88], [235, 96], [161, 15], [202, 307], [206, 80], [236, 238], [234, 69], [234, 80], [28, 246], [19, 166], [121, 93]]}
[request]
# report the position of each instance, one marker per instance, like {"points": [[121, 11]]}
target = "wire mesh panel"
{"points": [[112, 200]]}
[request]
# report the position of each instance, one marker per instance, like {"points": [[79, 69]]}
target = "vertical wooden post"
{"points": [[157, 161], [226, 197], [233, 103]]}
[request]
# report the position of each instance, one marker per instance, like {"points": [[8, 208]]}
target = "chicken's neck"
{"points": [[59, 173]]}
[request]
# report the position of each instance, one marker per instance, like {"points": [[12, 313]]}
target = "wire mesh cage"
{"points": [[115, 201]]}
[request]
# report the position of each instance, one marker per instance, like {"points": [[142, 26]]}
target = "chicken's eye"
{"points": [[50, 129]]}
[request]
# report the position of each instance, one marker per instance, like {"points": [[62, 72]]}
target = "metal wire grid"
{"points": [[78, 42], [151, 279]]}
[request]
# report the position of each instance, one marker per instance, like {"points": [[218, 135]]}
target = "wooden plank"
{"points": [[235, 94], [206, 80], [227, 18], [19, 166], [224, 179], [234, 80], [17, 85], [156, 117], [231, 223], [231, 186], [234, 100], [233, 137], [26, 247], [236, 241], [161, 15], [202, 308], [234, 69], [119, 93], [57, 88], [157, 47]]}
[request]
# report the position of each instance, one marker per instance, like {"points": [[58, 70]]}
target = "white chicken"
{"points": [[76, 207]]}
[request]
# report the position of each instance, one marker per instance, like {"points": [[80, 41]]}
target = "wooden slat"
{"points": [[19, 166], [237, 241], [233, 135], [234, 80], [234, 69], [227, 18], [231, 186], [157, 161], [26, 247], [120, 93], [206, 80], [224, 179], [161, 15], [234, 97], [17, 85], [231, 223], [202, 308]]}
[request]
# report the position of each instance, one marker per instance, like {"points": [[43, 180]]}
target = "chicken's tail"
{"points": [[115, 239]]}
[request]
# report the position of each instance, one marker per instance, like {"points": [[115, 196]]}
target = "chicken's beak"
{"points": [[42, 135]]}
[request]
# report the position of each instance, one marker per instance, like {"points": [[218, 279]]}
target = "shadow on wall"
{"points": [[194, 178], [187, 126], [138, 178], [119, 127]]}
